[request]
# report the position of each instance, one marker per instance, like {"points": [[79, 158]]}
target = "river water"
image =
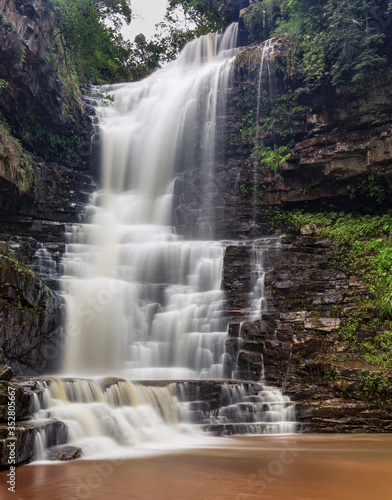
{"points": [[300, 467]]}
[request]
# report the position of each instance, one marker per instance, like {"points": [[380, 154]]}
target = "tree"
{"points": [[97, 51]]}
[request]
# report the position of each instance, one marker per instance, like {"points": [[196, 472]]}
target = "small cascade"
{"points": [[40, 445], [240, 408], [113, 416], [264, 90], [258, 302], [117, 417], [260, 266], [44, 265], [265, 67]]}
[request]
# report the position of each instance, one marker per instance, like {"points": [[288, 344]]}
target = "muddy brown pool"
{"points": [[296, 468]]}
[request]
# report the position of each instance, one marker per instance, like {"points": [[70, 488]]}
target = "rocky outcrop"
{"points": [[32, 240], [38, 199], [18, 432], [342, 137], [21, 447], [55, 198], [30, 320]]}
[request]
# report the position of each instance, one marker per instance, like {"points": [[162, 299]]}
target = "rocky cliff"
{"points": [[42, 117], [38, 96]]}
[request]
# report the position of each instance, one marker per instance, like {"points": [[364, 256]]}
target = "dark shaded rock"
{"points": [[11, 393], [31, 319]]}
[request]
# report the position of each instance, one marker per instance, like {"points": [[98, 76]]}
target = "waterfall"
{"points": [[117, 418], [264, 90], [258, 303], [141, 301]]}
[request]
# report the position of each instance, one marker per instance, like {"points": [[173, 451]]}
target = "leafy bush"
{"points": [[274, 157], [376, 386]]}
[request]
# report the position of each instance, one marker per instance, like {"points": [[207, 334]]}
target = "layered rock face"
{"points": [[18, 432], [31, 320], [296, 342], [341, 154]]}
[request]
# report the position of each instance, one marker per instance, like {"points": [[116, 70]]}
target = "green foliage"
{"points": [[53, 146], [207, 15], [363, 245], [147, 56], [16, 160], [328, 41], [370, 187], [95, 50], [198, 17], [274, 157], [376, 386], [260, 19], [245, 189], [364, 242]]}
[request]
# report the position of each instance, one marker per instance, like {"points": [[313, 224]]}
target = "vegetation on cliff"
{"points": [[329, 41], [363, 247], [15, 163]]}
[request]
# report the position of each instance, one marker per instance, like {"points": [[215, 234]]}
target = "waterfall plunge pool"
{"points": [[300, 467]]}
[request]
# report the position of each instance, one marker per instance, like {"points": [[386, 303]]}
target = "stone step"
{"points": [[247, 428]]}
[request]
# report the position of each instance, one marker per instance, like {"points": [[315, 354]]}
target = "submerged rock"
{"points": [[64, 453]]}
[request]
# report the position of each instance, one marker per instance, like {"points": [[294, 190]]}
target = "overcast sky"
{"points": [[145, 15]]}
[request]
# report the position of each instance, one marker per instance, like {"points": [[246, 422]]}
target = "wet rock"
{"points": [[306, 230], [64, 453], [12, 393], [20, 446], [6, 372]]}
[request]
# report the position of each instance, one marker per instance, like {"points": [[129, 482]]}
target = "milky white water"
{"points": [[141, 302]]}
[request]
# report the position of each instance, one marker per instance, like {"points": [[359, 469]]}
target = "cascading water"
{"points": [[142, 303], [264, 91], [265, 66]]}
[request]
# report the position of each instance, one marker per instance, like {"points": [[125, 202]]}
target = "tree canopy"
{"points": [[89, 31]]}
